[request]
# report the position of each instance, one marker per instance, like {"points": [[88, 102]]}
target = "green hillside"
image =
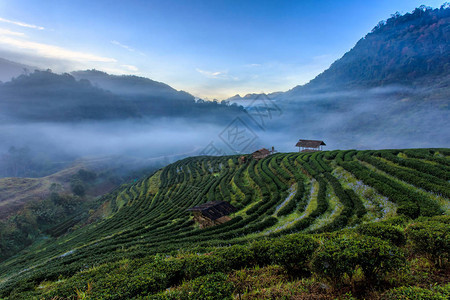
{"points": [[151, 242]]}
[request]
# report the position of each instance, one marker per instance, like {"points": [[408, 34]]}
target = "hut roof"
{"points": [[262, 151], [310, 143], [215, 209]]}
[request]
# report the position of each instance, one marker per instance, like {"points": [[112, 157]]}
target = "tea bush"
{"points": [[441, 219], [431, 238], [198, 265], [293, 252], [211, 287], [385, 232], [215, 286], [417, 293], [261, 252], [235, 256], [342, 255]]}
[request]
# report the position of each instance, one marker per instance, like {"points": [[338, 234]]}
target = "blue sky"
{"points": [[212, 49]]}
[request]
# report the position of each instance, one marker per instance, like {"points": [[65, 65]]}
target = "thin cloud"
{"points": [[130, 68], [22, 24], [253, 65], [51, 51], [116, 70], [9, 32], [217, 74], [126, 47], [209, 74], [123, 46]]}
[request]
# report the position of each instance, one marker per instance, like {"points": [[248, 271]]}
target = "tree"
{"points": [[78, 188]]}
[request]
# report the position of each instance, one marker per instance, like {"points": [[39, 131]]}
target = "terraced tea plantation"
{"points": [[321, 195]]}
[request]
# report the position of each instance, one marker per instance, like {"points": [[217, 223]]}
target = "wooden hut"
{"points": [[309, 145], [261, 153], [242, 160], [212, 213]]}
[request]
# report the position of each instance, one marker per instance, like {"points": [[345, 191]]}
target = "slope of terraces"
{"points": [[285, 193]]}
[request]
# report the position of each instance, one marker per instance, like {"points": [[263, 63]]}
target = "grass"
{"points": [[335, 208], [378, 207], [289, 220]]}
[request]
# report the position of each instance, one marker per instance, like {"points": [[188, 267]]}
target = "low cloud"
{"points": [[21, 24], [138, 138]]}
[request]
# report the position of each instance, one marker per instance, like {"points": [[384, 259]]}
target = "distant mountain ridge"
{"points": [[131, 85], [46, 96], [253, 96], [10, 69]]}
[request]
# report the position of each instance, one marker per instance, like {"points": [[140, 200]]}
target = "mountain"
{"points": [[46, 96], [132, 86], [10, 69], [253, 96], [355, 204], [391, 90], [408, 49]]}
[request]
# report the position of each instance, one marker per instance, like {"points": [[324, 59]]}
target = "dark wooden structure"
{"points": [[309, 145], [242, 159], [212, 213], [261, 153]]}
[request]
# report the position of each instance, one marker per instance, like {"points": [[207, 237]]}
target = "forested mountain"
{"points": [[10, 69], [391, 89], [50, 97], [46, 96], [133, 86], [408, 49], [405, 50]]}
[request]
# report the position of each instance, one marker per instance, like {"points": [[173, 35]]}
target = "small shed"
{"points": [[310, 145], [242, 160], [261, 153], [212, 213]]}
